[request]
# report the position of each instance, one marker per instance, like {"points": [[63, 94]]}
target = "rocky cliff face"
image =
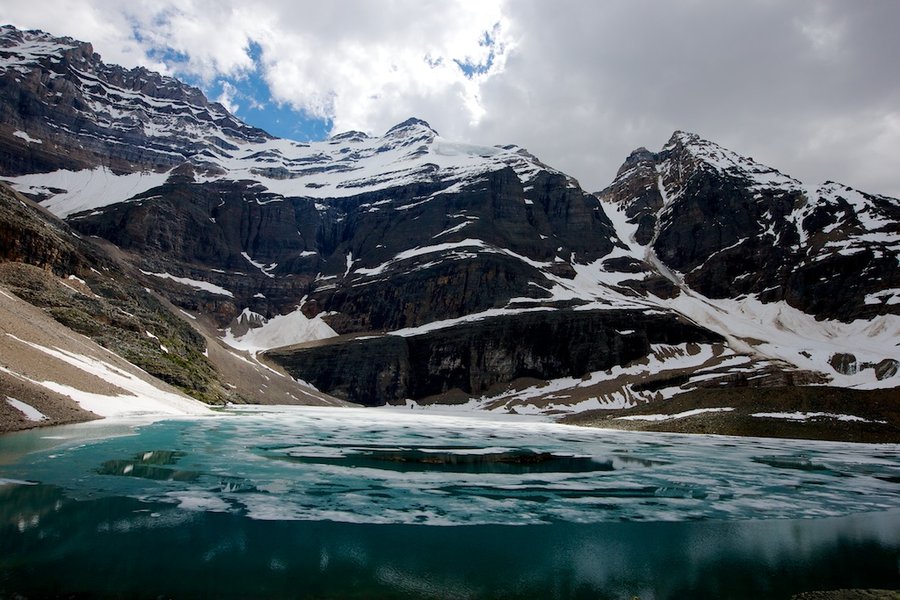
{"points": [[61, 107], [43, 262], [84, 287], [409, 266], [476, 358], [384, 259], [731, 227]]}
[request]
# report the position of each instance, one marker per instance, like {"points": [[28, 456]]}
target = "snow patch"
{"points": [[31, 413], [195, 283], [778, 331], [806, 416], [27, 138], [140, 397], [263, 268], [455, 228], [282, 330], [435, 325], [87, 189], [420, 251], [681, 415]]}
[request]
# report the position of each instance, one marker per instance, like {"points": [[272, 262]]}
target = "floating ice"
{"points": [[403, 466]]}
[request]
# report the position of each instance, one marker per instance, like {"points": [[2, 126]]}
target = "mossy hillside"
{"points": [[44, 263]]}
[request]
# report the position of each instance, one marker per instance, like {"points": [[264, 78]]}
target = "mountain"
{"points": [[72, 111], [806, 274], [409, 267], [732, 227], [81, 334]]}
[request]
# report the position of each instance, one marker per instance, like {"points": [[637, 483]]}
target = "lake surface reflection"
{"points": [[318, 503]]}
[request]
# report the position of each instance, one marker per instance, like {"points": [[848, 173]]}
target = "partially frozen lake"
{"points": [[310, 503]]}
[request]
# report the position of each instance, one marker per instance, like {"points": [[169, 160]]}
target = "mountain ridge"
{"points": [[802, 234], [412, 268], [123, 119]]}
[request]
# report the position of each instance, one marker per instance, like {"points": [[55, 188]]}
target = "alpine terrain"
{"points": [[407, 268]]}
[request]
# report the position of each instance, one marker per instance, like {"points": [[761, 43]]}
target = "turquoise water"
{"points": [[319, 503]]}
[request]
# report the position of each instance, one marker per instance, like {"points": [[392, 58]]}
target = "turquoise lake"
{"points": [[370, 503]]}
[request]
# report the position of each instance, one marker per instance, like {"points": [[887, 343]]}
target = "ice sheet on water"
{"points": [[358, 465]]}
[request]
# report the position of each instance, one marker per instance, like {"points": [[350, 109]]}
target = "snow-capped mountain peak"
{"points": [[731, 226], [21, 48], [352, 136], [84, 113], [99, 134], [345, 165], [713, 156], [494, 265], [411, 126]]}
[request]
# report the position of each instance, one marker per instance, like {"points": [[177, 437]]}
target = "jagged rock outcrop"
{"points": [[730, 227], [398, 266], [31, 235], [476, 357], [61, 107]]}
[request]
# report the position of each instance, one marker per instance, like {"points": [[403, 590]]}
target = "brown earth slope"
{"points": [[875, 414]]}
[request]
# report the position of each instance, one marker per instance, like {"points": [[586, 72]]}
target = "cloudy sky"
{"points": [[809, 87]]}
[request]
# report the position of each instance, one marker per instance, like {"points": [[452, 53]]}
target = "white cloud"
{"points": [[874, 137], [366, 65], [368, 68], [228, 96], [213, 37], [805, 86], [589, 82], [106, 24], [824, 31]]}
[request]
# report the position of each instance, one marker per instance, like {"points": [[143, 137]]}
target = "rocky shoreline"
{"points": [[812, 413], [806, 413], [849, 595]]}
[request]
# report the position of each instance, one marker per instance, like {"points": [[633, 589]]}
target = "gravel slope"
{"points": [[814, 412]]}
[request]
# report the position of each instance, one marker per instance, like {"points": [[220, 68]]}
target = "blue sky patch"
{"points": [[471, 69], [250, 93]]}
